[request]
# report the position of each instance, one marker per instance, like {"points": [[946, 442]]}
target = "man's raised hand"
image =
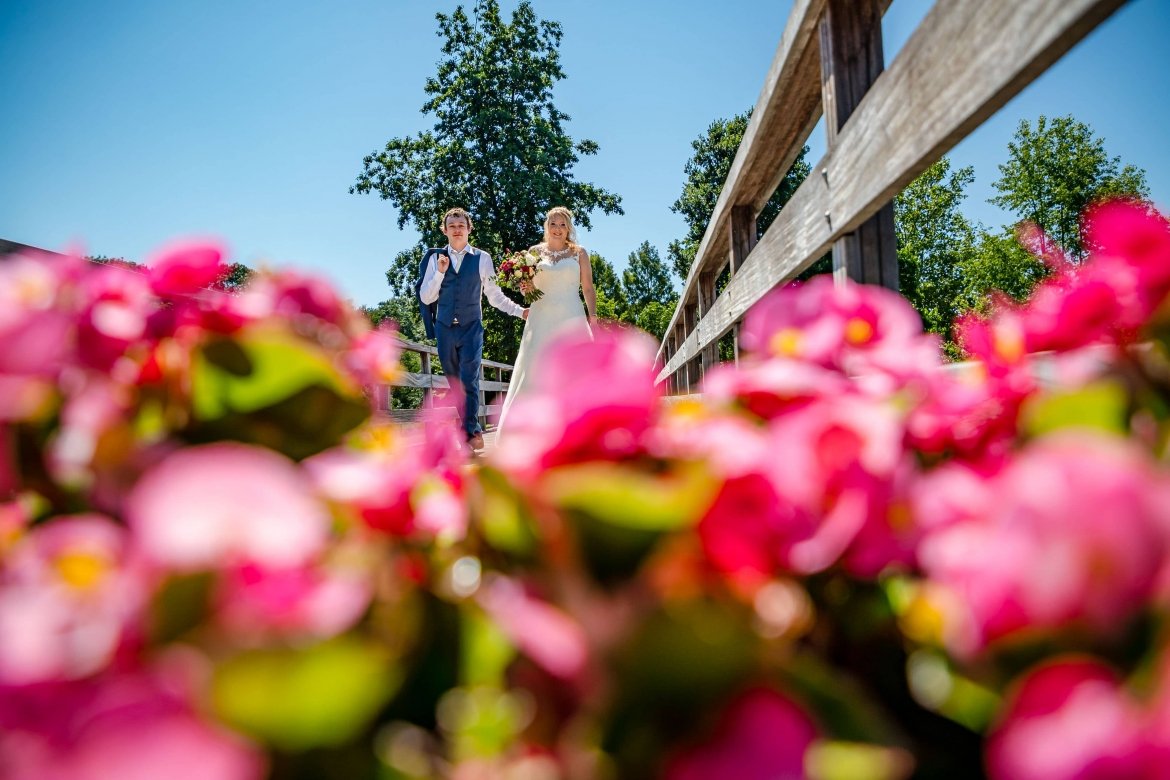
{"points": [[443, 263]]}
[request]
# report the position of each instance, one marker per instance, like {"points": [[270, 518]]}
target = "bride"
{"points": [[564, 274]]}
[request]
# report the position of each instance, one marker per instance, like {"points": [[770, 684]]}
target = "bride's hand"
{"points": [[526, 287]]}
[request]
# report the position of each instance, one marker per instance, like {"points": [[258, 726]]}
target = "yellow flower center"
{"points": [[786, 342], [1009, 344], [899, 517], [81, 570], [858, 331]]}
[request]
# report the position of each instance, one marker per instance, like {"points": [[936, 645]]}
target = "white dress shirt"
{"points": [[433, 280]]}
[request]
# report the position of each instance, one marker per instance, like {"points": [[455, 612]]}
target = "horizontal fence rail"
{"points": [[429, 382], [965, 61]]}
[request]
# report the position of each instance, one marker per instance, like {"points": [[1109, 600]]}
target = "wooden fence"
{"points": [[884, 125], [429, 382]]}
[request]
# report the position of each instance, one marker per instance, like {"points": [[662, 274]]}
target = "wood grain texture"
{"points": [[964, 62]]}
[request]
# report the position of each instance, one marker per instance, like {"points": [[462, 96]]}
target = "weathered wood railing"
{"points": [[428, 382], [884, 127]]}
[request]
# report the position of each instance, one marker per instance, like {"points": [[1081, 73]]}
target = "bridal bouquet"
{"points": [[520, 267]]}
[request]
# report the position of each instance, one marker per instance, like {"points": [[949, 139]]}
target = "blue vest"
{"points": [[461, 294]]}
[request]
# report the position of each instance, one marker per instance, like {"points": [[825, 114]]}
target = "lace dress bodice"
{"points": [[558, 309]]}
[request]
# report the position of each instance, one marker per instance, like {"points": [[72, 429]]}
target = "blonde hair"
{"points": [[457, 212], [561, 211]]}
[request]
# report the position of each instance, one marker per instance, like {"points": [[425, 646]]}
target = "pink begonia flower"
{"points": [[118, 304], [962, 410], [761, 735], [771, 387], [1075, 535], [317, 602], [403, 488], [185, 267], [94, 408], [803, 512], [293, 295], [853, 328], [37, 327], [592, 399], [136, 725], [66, 596], [373, 357], [226, 504], [1069, 720], [1135, 236], [550, 637]]}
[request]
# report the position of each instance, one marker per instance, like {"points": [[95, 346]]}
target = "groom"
{"points": [[454, 280]]}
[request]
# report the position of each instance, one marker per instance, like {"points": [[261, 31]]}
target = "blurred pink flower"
{"points": [[118, 304], [805, 511], [1138, 238], [373, 357], [185, 267], [1068, 720], [592, 399], [550, 637], [402, 487], [1075, 534], [226, 504], [962, 410], [770, 387], [136, 725], [67, 596], [761, 735], [853, 328], [317, 602], [37, 326]]}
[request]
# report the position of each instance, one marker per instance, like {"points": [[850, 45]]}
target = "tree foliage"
{"points": [[646, 278], [706, 172], [934, 241], [1054, 170], [498, 147], [611, 297]]}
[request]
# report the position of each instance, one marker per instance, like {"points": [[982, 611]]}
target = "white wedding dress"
{"points": [[559, 309]]}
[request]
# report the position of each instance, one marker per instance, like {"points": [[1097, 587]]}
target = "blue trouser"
{"points": [[460, 354]]}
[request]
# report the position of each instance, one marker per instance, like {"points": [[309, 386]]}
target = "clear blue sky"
{"points": [[127, 123]]}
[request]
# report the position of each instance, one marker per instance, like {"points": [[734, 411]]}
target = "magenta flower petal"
{"points": [[184, 268], [1068, 720], [761, 736]]}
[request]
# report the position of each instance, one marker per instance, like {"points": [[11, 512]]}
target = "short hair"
{"points": [[457, 212]]}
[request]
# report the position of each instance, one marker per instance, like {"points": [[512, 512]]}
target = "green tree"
{"points": [[498, 148], [655, 316], [611, 298], [403, 313], [934, 241], [1057, 168], [998, 262], [646, 278], [706, 172], [235, 278]]}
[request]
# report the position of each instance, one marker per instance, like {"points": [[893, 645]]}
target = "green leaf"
{"points": [[629, 498], [834, 760], [269, 387], [299, 699], [1100, 405], [486, 650]]}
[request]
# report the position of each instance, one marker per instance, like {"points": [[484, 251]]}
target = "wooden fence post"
{"points": [[709, 356], [743, 239], [851, 60]]}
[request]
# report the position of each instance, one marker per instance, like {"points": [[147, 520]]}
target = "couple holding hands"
{"points": [[453, 280]]}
